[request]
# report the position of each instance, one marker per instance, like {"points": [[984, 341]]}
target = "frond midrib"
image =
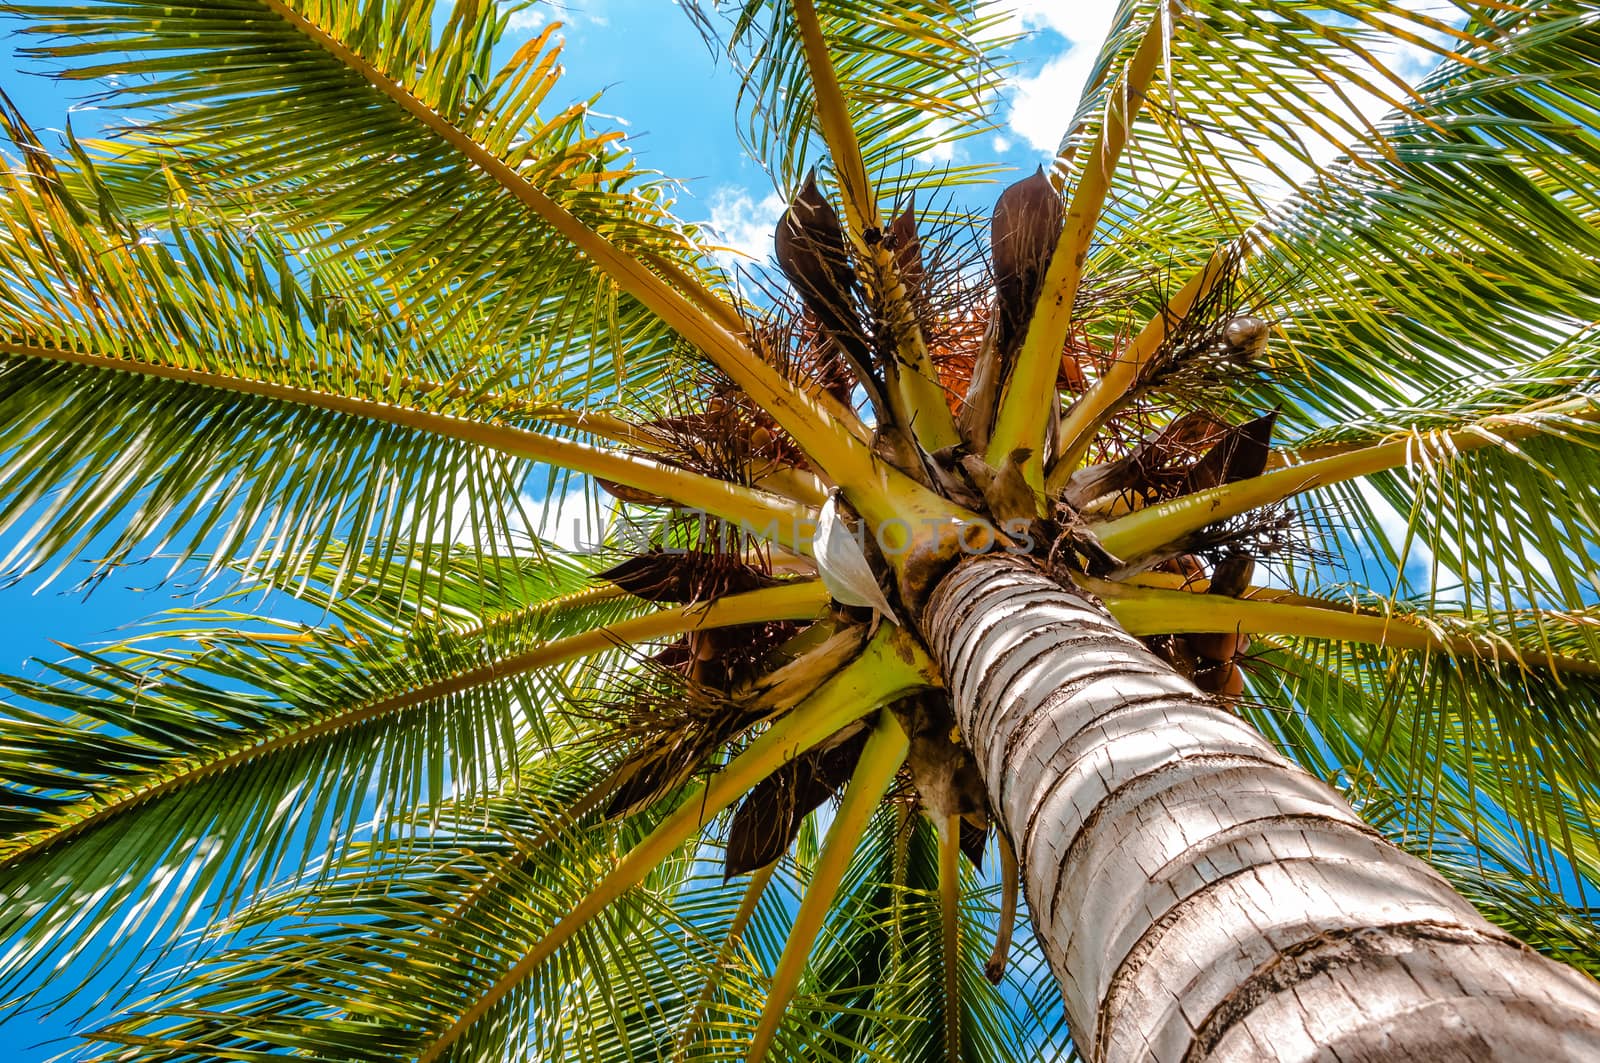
{"points": [[722, 498], [821, 427], [798, 600]]}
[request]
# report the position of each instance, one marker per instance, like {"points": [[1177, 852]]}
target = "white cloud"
{"points": [[1394, 527], [570, 520], [940, 153], [743, 225], [575, 519], [572, 14], [528, 19], [1042, 103], [1358, 106]]}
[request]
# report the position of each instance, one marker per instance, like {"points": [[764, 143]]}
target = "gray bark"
{"points": [[1198, 896]]}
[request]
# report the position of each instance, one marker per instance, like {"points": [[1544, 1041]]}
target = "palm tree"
{"points": [[958, 519]]}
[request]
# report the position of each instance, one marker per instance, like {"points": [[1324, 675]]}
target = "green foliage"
{"points": [[225, 333], [918, 76], [446, 238], [170, 778], [1487, 755], [410, 931]]}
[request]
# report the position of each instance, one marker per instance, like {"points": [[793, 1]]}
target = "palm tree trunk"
{"points": [[1198, 896]]}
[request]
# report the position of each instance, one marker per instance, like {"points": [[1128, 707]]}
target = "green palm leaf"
{"points": [[273, 403], [1452, 235], [402, 966], [1482, 749], [284, 144], [917, 76], [215, 760]]}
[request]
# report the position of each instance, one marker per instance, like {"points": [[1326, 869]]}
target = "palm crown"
{"points": [[315, 319]]}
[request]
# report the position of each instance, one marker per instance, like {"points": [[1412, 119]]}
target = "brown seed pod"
{"points": [[907, 247], [675, 578], [1225, 679], [624, 493], [973, 840], [812, 253], [652, 772], [1006, 491], [675, 656], [1155, 469], [769, 818], [811, 249], [1241, 453], [1023, 232], [1229, 577]]}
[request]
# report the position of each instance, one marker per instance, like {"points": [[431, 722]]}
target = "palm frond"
{"points": [[918, 77], [268, 407], [874, 984], [381, 932], [204, 765], [1265, 91], [1487, 750], [449, 587], [1468, 247], [1510, 525], [1403, 231], [371, 82], [1526, 445], [447, 235], [389, 917], [414, 931]]}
